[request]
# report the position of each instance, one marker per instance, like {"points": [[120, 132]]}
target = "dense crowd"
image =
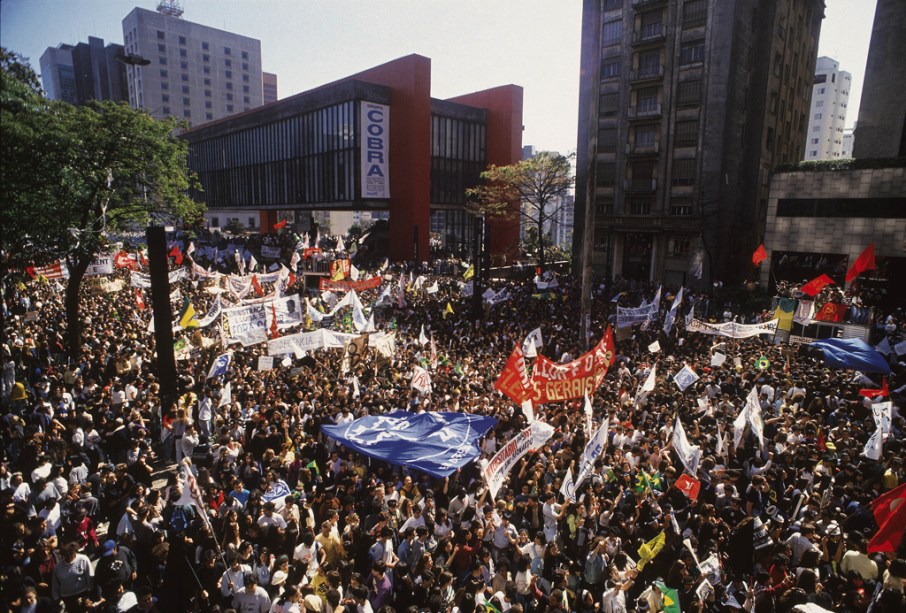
{"points": [[95, 516]]}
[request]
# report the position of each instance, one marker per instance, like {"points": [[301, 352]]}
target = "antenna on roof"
{"points": [[170, 8]]}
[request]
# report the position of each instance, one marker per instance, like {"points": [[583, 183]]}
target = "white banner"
{"points": [[245, 324], [628, 316], [733, 329], [503, 461], [103, 265], [138, 279], [272, 253], [375, 148]]}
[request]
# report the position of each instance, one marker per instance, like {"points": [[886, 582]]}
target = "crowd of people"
{"points": [[96, 517]]}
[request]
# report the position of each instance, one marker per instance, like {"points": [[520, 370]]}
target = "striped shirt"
{"points": [[72, 578]]}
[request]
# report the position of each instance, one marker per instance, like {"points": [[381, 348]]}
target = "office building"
{"points": [[881, 132], [194, 72], [375, 141], [57, 74], [269, 87], [827, 117], [86, 71], [686, 107], [849, 138]]}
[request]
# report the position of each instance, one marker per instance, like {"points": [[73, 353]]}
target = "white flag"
{"points": [[739, 427], [353, 272], [422, 337], [697, 273], [433, 288], [654, 347], [684, 378], [721, 447], [648, 386], [253, 263], [294, 261], [874, 445], [314, 314], [594, 448], [589, 413], [753, 414], [534, 335], [355, 387], [671, 315], [690, 455], [340, 246], [226, 395], [690, 317], [718, 359], [421, 380], [529, 411], [568, 489], [882, 413], [530, 351]]}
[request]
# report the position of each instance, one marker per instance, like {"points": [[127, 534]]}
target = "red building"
{"points": [[374, 141]]}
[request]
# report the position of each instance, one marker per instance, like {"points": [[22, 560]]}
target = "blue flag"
{"points": [[434, 443], [852, 354], [220, 365]]}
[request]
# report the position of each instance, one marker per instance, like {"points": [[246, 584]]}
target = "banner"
{"points": [[553, 382], [103, 265], [733, 329], [499, 466], [326, 285], [271, 253], [245, 324], [288, 310], [354, 353], [124, 259], [143, 281], [513, 381], [56, 270], [434, 443], [374, 120], [421, 380]]}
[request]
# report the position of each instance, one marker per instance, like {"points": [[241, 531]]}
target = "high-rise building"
{"points": [[193, 72], [848, 140], [57, 74], [686, 106], [86, 71], [269, 87], [881, 132], [827, 118]]}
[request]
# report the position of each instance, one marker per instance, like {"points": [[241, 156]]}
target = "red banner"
{"points": [[553, 382], [689, 486], [513, 380], [326, 285], [125, 260], [310, 252], [831, 312], [816, 285], [57, 270]]}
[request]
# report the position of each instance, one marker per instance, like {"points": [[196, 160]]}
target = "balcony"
{"points": [[644, 111], [646, 73], [642, 149], [651, 222], [640, 185], [651, 33], [645, 4]]}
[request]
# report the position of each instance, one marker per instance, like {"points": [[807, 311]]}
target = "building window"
{"points": [[769, 140], [245, 78], [165, 97], [814, 141], [610, 69], [606, 174], [207, 69], [185, 77], [207, 81], [246, 89], [816, 128], [182, 40], [185, 89], [229, 97], [186, 102], [681, 208], [819, 115], [608, 104], [209, 116], [228, 63], [678, 246], [692, 53], [207, 93], [251, 222], [607, 140], [161, 48], [207, 104], [820, 103], [229, 85], [645, 137], [186, 113], [229, 108], [245, 65], [160, 35], [246, 100], [686, 133], [612, 33], [163, 73], [205, 46], [778, 65], [646, 100], [215, 222], [165, 110], [164, 85], [695, 13], [228, 74], [227, 51], [689, 93], [162, 61], [183, 53], [814, 153], [205, 57], [245, 55], [184, 65], [684, 172], [820, 78], [639, 207]]}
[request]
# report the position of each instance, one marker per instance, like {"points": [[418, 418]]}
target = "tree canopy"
{"points": [[533, 189], [71, 174]]}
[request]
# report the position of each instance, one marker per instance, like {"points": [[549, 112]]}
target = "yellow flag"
{"points": [[449, 310], [338, 274], [187, 316], [648, 551], [469, 273]]}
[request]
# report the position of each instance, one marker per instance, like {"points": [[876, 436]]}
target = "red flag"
{"points": [[176, 254], [873, 393], [31, 272], [865, 261], [290, 279], [274, 332], [816, 285], [139, 300], [760, 255], [142, 259], [821, 443], [890, 515], [831, 312], [513, 380], [689, 486], [257, 285], [280, 225]]}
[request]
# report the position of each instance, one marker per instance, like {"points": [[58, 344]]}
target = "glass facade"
{"points": [[309, 158]]}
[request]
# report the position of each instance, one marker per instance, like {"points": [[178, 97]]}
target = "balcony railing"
{"points": [[640, 185], [641, 111], [650, 33], [646, 73], [642, 4], [662, 222], [644, 148]]}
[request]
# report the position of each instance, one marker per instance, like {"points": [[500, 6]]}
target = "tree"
{"points": [[539, 184], [72, 173]]}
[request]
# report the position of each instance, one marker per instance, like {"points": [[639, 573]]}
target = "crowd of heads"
{"points": [[96, 513]]}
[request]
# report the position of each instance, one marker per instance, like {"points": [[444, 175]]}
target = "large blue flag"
{"points": [[435, 443], [853, 354]]}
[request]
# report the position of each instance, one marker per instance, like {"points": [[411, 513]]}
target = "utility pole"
{"points": [[163, 318]]}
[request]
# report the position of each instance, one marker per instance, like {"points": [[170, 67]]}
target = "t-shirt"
{"points": [[252, 602]]}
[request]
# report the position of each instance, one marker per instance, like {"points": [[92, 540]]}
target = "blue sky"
{"points": [[473, 44]]}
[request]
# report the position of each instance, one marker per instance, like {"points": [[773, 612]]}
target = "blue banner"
{"points": [[434, 443], [853, 354]]}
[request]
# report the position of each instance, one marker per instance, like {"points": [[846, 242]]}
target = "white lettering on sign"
{"points": [[375, 150]]}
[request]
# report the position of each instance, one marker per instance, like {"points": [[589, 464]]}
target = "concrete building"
{"points": [[86, 71], [881, 131], [196, 73], [849, 138], [372, 142], [686, 106], [58, 75], [827, 118], [269, 87]]}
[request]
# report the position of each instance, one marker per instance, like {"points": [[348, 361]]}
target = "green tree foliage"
{"points": [[70, 174], [538, 184]]}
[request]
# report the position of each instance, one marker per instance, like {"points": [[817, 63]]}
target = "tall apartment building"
{"points": [[830, 96], [881, 132], [686, 107], [848, 140], [269, 87], [86, 71], [194, 72], [57, 74]]}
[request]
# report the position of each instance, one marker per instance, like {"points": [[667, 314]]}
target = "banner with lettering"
{"points": [[326, 285], [733, 329], [103, 265], [513, 381], [245, 324], [627, 316], [553, 382], [497, 469]]}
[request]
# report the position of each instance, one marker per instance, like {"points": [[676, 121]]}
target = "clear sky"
{"points": [[473, 44]]}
